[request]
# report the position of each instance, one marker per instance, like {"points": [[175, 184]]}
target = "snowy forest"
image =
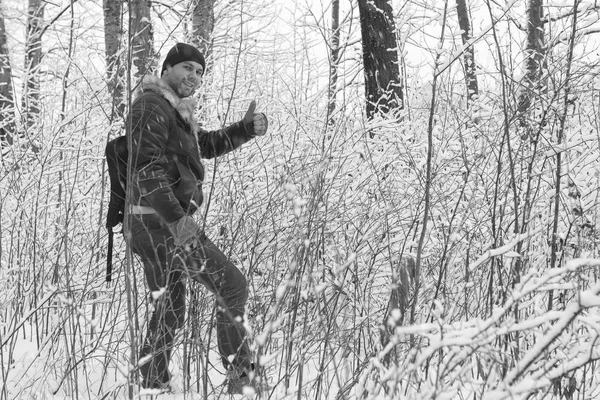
{"points": [[419, 222]]}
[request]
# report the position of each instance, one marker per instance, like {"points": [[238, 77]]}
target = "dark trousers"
{"points": [[166, 267]]}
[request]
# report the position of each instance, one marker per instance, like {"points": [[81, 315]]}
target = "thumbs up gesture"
{"points": [[255, 122]]}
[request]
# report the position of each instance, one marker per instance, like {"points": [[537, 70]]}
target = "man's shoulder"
{"points": [[149, 97], [152, 103], [153, 90]]}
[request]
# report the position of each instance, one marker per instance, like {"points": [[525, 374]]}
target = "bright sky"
{"points": [[305, 24]]}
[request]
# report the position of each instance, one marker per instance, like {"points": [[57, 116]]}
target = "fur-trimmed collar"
{"points": [[185, 106]]}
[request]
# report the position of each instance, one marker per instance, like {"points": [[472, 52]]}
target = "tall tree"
{"points": [[142, 36], [113, 34], [535, 54], [334, 50], [33, 58], [383, 87], [7, 110], [464, 22], [203, 23]]}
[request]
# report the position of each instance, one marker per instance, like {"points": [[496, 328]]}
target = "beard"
{"points": [[185, 91], [181, 88]]}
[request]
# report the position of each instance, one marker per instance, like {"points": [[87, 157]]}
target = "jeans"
{"points": [[166, 268]]}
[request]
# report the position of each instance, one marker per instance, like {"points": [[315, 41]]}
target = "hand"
{"points": [[257, 121], [185, 231]]}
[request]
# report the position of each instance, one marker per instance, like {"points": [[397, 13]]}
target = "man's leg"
{"points": [[166, 319], [208, 265], [152, 241]]}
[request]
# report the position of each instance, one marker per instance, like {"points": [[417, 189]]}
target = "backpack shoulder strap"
{"points": [[116, 158]]}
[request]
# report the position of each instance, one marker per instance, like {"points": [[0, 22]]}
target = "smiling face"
{"points": [[184, 78]]}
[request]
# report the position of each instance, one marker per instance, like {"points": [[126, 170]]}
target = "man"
{"points": [[167, 190]]}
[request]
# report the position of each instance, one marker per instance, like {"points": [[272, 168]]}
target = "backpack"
{"points": [[116, 158]]}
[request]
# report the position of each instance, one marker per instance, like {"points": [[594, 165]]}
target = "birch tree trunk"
{"points": [[203, 23], [464, 23], [334, 60], [113, 34], [7, 107], [33, 58], [535, 53], [383, 87], [142, 37]]}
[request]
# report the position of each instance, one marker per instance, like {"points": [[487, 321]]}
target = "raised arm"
{"points": [[222, 141]]}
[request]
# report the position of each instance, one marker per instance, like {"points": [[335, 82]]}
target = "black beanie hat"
{"points": [[183, 52]]}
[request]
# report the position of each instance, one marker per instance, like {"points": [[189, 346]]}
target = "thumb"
{"points": [[250, 112]]}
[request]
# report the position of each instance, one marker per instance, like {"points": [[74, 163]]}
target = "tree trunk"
{"points": [[469, 54], [203, 23], [403, 278], [33, 58], [383, 87], [535, 52], [142, 37], [7, 109], [113, 34], [335, 56]]}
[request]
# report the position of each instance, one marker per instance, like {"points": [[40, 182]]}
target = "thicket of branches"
{"points": [[449, 250]]}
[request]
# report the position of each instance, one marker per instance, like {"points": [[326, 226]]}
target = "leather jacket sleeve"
{"points": [[216, 143]]}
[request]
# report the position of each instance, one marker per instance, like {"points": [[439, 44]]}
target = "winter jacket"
{"points": [[168, 146]]}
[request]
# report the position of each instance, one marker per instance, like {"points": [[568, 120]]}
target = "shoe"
{"points": [[243, 381], [252, 388], [155, 383], [236, 385], [154, 379], [156, 390]]}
